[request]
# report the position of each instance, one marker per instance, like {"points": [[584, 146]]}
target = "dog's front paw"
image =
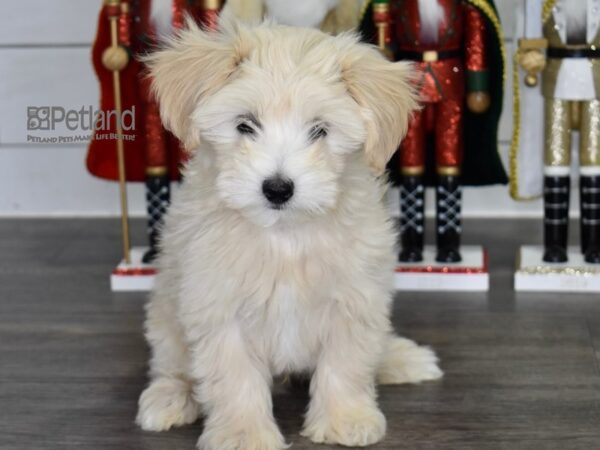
{"points": [[166, 403], [266, 437], [406, 362], [352, 428]]}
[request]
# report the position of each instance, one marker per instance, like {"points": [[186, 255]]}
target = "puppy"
{"points": [[277, 255]]}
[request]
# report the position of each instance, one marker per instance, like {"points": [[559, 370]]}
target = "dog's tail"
{"points": [[406, 362]]}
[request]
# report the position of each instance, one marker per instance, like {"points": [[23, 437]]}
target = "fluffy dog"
{"points": [[277, 252]]}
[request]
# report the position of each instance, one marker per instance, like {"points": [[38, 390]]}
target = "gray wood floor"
{"points": [[522, 370]]}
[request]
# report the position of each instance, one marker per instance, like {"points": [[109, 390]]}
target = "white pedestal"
{"points": [[135, 276], [535, 275], [471, 274]]}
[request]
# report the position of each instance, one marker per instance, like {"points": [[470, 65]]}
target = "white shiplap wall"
{"points": [[45, 60]]}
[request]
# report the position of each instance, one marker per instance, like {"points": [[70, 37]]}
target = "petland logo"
{"points": [[102, 125]]}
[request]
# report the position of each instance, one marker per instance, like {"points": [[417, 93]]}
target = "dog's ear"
{"points": [[385, 92], [190, 67]]}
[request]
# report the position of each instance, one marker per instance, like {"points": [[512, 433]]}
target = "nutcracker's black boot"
{"points": [[412, 203], [556, 218], [589, 187], [158, 197], [448, 214]]}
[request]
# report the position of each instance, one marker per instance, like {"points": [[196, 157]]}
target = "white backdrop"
{"points": [[45, 60]]}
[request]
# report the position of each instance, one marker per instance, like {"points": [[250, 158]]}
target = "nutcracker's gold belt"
{"points": [[428, 56]]}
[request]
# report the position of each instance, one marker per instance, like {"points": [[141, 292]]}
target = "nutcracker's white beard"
{"points": [[304, 13], [431, 15], [161, 16]]}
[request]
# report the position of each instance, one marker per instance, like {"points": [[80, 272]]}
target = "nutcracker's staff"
{"points": [[115, 58]]}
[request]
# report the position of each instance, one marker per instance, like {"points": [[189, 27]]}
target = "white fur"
{"points": [[246, 292], [431, 16]]}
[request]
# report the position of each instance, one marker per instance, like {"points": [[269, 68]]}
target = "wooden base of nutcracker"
{"points": [[535, 275], [135, 276], [471, 274]]}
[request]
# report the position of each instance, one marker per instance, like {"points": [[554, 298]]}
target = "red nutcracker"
{"points": [[456, 46], [150, 153]]}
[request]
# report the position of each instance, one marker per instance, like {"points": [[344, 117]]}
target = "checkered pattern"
{"points": [[158, 198], [449, 203], [412, 203]]}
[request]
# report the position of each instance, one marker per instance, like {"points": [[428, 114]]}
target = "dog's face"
{"points": [[280, 140], [278, 111]]}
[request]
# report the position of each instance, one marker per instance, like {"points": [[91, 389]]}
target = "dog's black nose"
{"points": [[278, 190]]}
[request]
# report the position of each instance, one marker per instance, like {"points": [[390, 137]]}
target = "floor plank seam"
{"points": [[596, 353]]}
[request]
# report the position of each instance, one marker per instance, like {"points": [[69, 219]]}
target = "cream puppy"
{"points": [[276, 255]]}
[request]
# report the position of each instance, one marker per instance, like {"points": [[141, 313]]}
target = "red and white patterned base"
{"points": [[471, 274], [135, 276]]}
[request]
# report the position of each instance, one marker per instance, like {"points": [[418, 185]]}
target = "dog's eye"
{"points": [[317, 132], [245, 128], [247, 124]]}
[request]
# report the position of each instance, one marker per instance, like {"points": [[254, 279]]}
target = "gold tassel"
{"points": [[516, 137]]}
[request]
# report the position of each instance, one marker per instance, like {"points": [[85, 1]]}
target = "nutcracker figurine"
{"points": [[560, 40], [331, 16], [457, 47], [150, 153]]}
